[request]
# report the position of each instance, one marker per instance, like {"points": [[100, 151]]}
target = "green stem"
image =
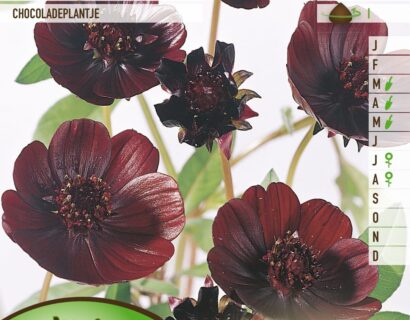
{"points": [[282, 131], [298, 154], [180, 255], [46, 287], [214, 26], [107, 118], [157, 137]]}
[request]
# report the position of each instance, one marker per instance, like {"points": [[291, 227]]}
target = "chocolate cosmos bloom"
{"points": [[328, 73], [247, 4], [289, 260], [91, 208], [206, 102], [207, 306], [100, 62]]}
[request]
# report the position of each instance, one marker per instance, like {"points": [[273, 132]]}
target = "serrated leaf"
{"points": [[246, 95], [353, 185], [200, 271], [200, 230], [119, 292], [162, 310], [34, 71], [68, 108], [200, 177], [63, 290], [390, 316], [156, 286], [270, 178], [390, 277]]}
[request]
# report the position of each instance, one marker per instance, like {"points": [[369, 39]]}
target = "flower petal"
{"points": [[224, 55], [32, 175], [124, 256], [45, 238], [196, 62], [348, 278], [122, 80], [79, 147], [323, 224], [225, 144], [172, 75], [237, 228], [150, 205], [247, 4], [278, 208], [132, 155], [174, 113]]}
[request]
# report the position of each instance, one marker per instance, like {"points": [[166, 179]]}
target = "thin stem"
{"points": [[179, 262], [191, 265], [227, 173], [214, 26], [46, 287], [305, 122], [298, 154], [157, 136], [107, 118]]}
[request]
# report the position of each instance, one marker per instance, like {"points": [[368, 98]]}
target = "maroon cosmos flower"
{"points": [[207, 306], [247, 4], [100, 62], [328, 73], [206, 102], [91, 208], [289, 260]]}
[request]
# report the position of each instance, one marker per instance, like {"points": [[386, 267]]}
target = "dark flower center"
{"points": [[207, 90], [113, 40], [354, 76], [83, 202], [292, 265]]}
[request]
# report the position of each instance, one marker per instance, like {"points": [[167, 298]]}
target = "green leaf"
{"points": [[120, 292], [389, 277], [64, 290], [200, 177], [68, 108], [390, 316], [149, 285], [269, 178], [162, 310], [34, 71], [200, 230], [353, 185], [287, 117], [200, 271]]}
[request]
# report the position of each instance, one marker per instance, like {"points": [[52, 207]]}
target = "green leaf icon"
{"points": [[389, 103], [389, 123], [389, 84]]}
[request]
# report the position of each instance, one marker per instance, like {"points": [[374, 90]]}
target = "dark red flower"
{"points": [[206, 102], [91, 208], [289, 260], [247, 4], [207, 306], [328, 73], [101, 62]]}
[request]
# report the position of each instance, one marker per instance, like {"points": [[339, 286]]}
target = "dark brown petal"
{"points": [[45, 238], [124, 81], [224, 55], [278, 209], [79, 147], [148, 205], [55, 53], [248, 113], [70, 35], [32, 175], [172, 75], [174, 113], [127, 256], [348, 277], [132, 155], [231, 274], [81, 79], [322, 225], [247, 4], [196, 62], [237, 228]]}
